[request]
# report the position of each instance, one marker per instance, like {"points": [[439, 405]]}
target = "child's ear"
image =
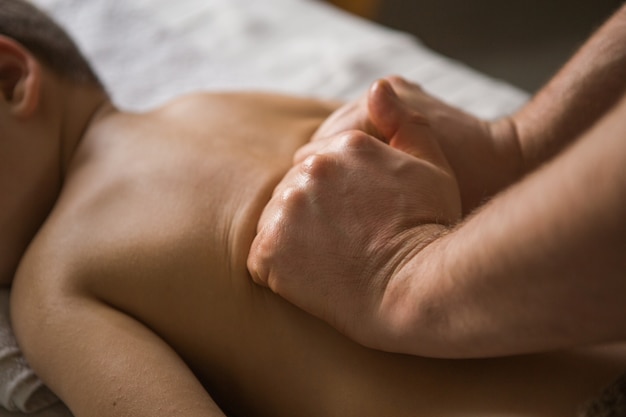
{"points": [[20, 78]]}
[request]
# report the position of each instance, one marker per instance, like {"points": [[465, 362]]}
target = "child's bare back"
{"points": [[143, 263]]}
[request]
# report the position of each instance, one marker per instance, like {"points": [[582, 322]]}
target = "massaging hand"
{"points": [[483, 155], [347, 216]]}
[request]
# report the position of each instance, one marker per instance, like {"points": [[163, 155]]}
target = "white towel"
{"points": [[148, 51], [20, 389]]}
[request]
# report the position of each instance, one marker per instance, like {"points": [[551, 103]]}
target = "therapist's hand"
{"points": [[349, 214], [484, 155]]}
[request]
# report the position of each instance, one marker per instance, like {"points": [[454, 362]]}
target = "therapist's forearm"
{"points": [[542, 266], [584, 90]]}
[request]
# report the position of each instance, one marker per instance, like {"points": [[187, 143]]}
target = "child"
{"points": [[130, 233]]}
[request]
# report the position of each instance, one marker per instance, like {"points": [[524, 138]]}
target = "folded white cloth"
{"points": [[148, 51], [20, 389]]}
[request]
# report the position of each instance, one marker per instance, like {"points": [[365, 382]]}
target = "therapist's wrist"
{"points": [[409, 313]]}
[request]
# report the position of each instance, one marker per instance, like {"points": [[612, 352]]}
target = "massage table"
{"points": [[149, 51]]}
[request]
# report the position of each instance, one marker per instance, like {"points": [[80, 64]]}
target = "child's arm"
{"points": [[100, 361]]}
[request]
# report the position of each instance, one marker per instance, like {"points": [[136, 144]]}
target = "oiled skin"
{"points": [[153, 228]]}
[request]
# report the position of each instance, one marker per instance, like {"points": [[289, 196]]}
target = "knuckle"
{"points": [[316, 167], [295, 201], [417, 118], [292, 198], [355, 139], [275, 283], [267, 262], [259, 261]]}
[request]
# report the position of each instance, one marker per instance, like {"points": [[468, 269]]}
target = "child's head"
{"points": [[48, 93], [33, 29]]}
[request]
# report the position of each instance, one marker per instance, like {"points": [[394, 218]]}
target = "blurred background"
{"points": [[523, 42]]}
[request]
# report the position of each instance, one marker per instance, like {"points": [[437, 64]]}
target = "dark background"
{"points": [[523, 42]]}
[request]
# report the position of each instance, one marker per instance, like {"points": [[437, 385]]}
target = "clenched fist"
{"points": [[350, 212]]}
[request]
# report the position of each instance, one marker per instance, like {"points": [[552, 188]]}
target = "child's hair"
{"points": [[47, 41]]}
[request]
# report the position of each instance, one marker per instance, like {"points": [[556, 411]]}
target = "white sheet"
{"points": [[148, 51]]}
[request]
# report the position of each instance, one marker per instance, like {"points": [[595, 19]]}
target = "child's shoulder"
{"points": [[255, 102]]}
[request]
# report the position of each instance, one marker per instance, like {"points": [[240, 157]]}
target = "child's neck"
{"points": [[70, 110], [84, 107]]}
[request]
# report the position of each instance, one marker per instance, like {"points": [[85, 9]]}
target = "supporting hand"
{"points": [[484, 155]]}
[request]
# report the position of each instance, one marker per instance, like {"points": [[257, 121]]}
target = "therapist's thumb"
{"points": [[404, 128]]}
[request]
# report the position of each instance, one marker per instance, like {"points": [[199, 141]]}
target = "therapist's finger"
{"points": [[406, 129], [312, 148]]}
